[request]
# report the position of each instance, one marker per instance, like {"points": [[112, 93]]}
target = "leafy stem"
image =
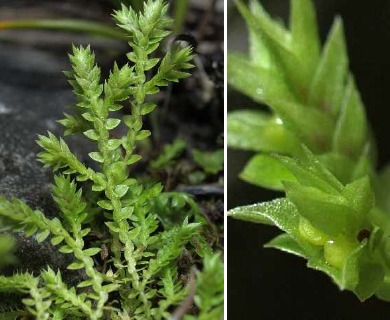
{"points": [[315, 146], [106, 197]]}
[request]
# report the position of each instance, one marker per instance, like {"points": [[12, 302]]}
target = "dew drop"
{"points": [[278, 120], [4, 109]]}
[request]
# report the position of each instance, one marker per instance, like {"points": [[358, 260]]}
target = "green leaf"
{"points": [[143, 134], [105, 204], [371, 278], [286, 243], [328, 213], [304, 33], [317, 168], [311, 173], [97, 187], [27, 302], [351, 129], [350, 271], [56, 153], [280, 212], [85, 76], [245, 77], [65, 249], [259, 53], [69, 200], [321, 265], [85, 283], [366, 162], [16, 282], [56, 240], [113, 144], [257, 82], [210, 287], [30, 230], [312, 234], [91, 134], [133, 159], [112, 123], [147, 108], [40, 237], [327, 88], [97, 156], [111, 287], [314, 127], [121, 190], [362, 276], [76, 266], [84, 232], [171, 67], [383, 292], [152, 62], [382, 185], [151, 23], [113, 226], [74, 124], [92, 251], [246, 126], [266, 171], [280, 44], [272, 28], [124, 213], [340, 166], [360, 196], [88, 116]]}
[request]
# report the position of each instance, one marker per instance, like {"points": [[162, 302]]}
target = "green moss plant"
{"points": [[315, 145], [140, 245]]}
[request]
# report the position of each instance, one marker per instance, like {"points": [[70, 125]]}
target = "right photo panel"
{"points": [[308, 183]]}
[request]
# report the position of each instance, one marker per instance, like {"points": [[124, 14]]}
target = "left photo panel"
{"points": [[112, 159]]}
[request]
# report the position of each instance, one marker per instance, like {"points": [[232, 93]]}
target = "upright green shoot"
{"points": [[314, 144]]}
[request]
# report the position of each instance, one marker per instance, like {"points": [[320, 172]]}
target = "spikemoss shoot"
{"points": [[140, 278]]}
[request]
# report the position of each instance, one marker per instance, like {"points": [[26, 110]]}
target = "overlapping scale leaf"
{"points": [[210, 287], [69, 200], [118, 86], [279, 41], [304, 33], [259, 83], [327, 88], [150, 25], [266, 171], [246, 126], [350, 136], [313, 127], [85, 77]]}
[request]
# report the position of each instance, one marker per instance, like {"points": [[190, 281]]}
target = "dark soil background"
{"points": [[269, 284]]}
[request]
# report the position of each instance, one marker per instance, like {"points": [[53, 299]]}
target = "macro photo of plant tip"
{"points": [[111, 185], [311, 144]]}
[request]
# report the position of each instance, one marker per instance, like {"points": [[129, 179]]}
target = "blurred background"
{"points": [[270, 284]]}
